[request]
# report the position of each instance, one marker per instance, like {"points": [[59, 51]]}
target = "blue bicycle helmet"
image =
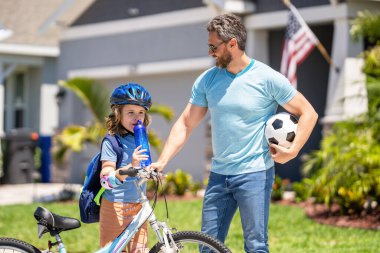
{"points": [[131, 93]]}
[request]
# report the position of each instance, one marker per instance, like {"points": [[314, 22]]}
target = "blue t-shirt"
{"points": [[239, 106], [126, 192]]}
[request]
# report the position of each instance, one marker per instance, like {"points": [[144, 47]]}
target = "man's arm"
{"points": [[301, 107], [180, 133]]}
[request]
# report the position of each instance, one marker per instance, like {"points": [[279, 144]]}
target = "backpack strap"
{"points": [[118, 148]]}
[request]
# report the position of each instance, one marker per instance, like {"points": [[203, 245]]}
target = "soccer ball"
{"points": [[281, 129]]}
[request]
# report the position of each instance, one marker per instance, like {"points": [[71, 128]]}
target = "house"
{"points": [[163, 45], [29, 48]]}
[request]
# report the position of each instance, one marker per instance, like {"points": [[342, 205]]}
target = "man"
{"points": [[241, 94]]}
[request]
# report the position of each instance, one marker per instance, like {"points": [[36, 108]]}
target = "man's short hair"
{"points": [[229, 26]]}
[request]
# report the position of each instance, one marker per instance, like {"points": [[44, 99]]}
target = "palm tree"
{"points": [[95, 97]]}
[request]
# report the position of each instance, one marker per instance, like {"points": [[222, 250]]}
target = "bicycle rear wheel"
{"points": [[193, 241], [11, 245]]}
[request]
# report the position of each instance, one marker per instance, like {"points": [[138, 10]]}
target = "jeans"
{"points": [[251, 194]]}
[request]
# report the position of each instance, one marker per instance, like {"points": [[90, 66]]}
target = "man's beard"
{"points": [[224, 60]]}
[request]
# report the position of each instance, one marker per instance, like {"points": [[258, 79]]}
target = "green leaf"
{"points": [[93, 94], [165, 111]]}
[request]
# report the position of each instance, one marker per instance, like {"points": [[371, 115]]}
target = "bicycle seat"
{"points": [[54, 222]]}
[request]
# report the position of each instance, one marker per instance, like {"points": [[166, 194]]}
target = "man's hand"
{"points": [[159, 166], [281, 154]]}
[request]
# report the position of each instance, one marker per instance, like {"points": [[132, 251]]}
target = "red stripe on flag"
{"points": [[296, 48]]}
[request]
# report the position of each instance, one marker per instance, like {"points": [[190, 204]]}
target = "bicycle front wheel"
{"points": [[11, 245], [193, 241]]}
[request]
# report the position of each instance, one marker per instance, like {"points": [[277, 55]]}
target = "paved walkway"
{"points": [[38, 192]]}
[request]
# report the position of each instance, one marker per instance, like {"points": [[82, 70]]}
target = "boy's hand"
{"points": [[138, 156]]}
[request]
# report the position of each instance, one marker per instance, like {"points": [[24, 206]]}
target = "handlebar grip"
{"points": [[131, 172]]}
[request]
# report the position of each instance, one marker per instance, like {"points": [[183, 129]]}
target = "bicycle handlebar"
{"points": [[140, 172], [131, 172]]}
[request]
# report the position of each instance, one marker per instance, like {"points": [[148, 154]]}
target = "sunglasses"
{"points": [[213, 48]]}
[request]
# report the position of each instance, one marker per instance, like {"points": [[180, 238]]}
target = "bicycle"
{"points": [[168, 242]]}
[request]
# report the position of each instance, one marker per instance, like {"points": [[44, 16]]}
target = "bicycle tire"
{"points": [[194, 241], [11, 245]]}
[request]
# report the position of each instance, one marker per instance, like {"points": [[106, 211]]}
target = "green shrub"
{"points": [[176, 183], [302, 190], [366, 24], [279, 186], [181, 181], [195, 187], [277, 189], [346, 170]]}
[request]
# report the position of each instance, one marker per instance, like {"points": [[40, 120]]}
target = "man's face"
{"points": [[224, 59], [218, 50]]}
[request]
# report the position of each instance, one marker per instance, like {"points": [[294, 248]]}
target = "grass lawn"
{"points": [[289, 229]]}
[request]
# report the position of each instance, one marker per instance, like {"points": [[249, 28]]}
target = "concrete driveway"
{"points": [[36, 192]]}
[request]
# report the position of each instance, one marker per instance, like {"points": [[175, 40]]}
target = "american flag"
{"points": [[299, 42]]}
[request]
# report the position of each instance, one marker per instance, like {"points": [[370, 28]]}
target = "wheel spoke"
{"points": [[10, 250], [194, 242]]}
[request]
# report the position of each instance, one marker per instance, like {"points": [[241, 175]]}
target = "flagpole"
{"points": [[319, 45]]}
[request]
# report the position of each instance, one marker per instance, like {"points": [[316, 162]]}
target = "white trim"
{"points": [[315, 14], [101, 72], [29, 50], [174, 66], [49, 109], [232, 6], [144, 68], [349, 99], [169, 19]]}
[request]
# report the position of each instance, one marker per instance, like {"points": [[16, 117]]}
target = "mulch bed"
{"points": [[321, 214]]}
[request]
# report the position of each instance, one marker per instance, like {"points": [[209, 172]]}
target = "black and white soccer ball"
{"points": [[281, 129]]}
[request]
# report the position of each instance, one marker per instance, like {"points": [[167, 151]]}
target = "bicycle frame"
{"points": [[145, 213]]}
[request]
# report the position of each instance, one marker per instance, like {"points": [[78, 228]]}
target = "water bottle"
{"points": [[141, 139]]}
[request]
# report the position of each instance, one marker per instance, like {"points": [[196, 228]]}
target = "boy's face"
{"points": [[130, 114]]}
